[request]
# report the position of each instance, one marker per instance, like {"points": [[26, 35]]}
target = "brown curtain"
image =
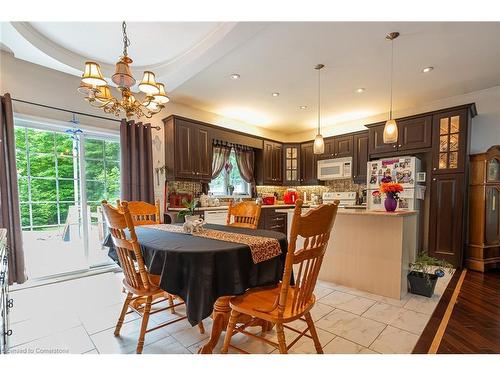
{"points": [[245, 159], [136, 162], [9, 196], [220, 157]]}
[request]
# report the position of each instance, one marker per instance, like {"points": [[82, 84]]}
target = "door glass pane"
{"points": [[443, 126], [453, 159], [455, 124], [454, 142], [443, 160], [443, 143]]}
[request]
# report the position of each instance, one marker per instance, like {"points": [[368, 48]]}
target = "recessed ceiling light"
{"points": [[235, 76], [427, 69], [303, 107], [360, 90], [275, 94]]}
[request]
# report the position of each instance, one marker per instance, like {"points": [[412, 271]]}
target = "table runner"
{"points": [[262, 248]]}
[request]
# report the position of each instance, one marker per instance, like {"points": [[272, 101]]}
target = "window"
{"points": [[230, 176], [59, 173]]}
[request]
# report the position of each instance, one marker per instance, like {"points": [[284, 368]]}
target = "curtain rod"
{"points": [[73, 112]]}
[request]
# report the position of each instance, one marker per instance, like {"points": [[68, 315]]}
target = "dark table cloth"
{"points": [[200, 270]]}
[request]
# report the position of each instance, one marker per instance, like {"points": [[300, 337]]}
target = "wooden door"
{"points": [[376, 140], [446, 217], [449, 140], [492, 215], [360, 157], [308, 166], [415, 133], [329, 149], [343, 146], [203, 152], [184, 152], [291, 164]]}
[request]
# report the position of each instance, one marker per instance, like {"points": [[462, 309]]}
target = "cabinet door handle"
{"points": [[493, 203], [8, 333], [10, 303], [434, 179], [434, 169], [394, 146]]}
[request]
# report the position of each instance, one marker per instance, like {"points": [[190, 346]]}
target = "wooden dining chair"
{"points": [[138, 282], [243, 214], [285, 303], [143, 213]]}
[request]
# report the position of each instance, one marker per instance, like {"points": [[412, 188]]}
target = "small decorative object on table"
{"points": [[391, 191], [192, 223], [421, 279]]}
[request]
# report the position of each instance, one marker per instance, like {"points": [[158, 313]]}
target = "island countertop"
{"points": [[363, 212]]}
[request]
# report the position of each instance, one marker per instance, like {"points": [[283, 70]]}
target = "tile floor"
{"points": [[79, 316]]}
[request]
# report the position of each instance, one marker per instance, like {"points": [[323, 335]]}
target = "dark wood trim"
{"points": [[425, 340]]}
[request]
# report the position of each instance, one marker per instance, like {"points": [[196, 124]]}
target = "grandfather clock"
{"points": [[483, 249]]}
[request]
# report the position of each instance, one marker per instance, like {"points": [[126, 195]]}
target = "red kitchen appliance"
{"points": [[270, 200], [290, 196], [175, 199]]}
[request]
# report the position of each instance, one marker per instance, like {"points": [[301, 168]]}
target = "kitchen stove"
{"points": [[347, 198]]}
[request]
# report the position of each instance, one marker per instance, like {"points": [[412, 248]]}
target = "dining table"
{"points": [[205, 272]]}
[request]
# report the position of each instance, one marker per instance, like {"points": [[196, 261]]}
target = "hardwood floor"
{"points": [[474, 325]]}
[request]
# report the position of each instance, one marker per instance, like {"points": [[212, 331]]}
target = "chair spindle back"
{"points": [[315, 227], [127, 248], [243, 215], [143, 213]]}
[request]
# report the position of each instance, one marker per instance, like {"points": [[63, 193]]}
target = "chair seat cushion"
{"points": [[263, 303]]}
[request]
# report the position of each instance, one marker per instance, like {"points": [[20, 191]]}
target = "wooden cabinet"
{"points": [[272, 163], [483, 248], [188, 150], [343, 146], [360, 157], [449, 140], [308, 164], [329, 149], [446, 222], [291, 164], [413, 133], [376, 143], [272, 220]]}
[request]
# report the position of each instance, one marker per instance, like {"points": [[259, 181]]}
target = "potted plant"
{"points": [[391, 191], [230, 189], [189, 212], [421, 279]]}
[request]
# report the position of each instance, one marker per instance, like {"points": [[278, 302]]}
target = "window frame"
{"points": [[226, 176]]}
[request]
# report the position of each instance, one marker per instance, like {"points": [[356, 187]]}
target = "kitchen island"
{"points": [[370, 250]]}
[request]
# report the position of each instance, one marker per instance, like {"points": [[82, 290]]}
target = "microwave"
{"points": [[333, 169]]}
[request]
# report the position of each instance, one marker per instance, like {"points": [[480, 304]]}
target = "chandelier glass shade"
{"points": [[98, 94]]}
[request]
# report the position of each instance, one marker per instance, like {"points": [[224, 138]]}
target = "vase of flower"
{"points": [[390, 203], [391, 190]]}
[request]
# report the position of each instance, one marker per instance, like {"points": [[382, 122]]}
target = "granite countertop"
{"points": [[222, 208], [364, 212]]}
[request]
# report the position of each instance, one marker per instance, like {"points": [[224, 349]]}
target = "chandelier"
{"points": [[97, 92]]}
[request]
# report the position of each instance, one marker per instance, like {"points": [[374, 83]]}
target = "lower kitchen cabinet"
{"points": [[446, 221], [272, 220]]}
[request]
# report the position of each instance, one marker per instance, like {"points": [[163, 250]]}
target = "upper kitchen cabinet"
{"points": [[450, 133], [291, 164], [343, 146], [413, 134], [188, 150], [308, 164], [360, 157], [329, 149], [271, 163]]}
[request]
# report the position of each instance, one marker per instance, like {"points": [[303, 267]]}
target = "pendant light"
{"points": [[319, 143], [391, 128]]}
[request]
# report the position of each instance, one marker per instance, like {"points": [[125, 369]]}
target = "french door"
{"points": [[63, 174]]}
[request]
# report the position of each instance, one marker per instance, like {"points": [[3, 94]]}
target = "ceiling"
{"points": [[195, 60]]}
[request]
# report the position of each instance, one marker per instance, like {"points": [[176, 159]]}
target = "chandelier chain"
{"points": [[126, 40], [392, 73]]}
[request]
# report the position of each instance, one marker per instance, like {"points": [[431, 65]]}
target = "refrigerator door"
{"points": [[401, 170]]}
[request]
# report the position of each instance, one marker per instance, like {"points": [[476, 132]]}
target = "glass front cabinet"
{"points": [[291, 164]]}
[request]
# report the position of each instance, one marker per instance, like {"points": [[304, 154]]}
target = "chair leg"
{"points": [[171, 302], [314, 333], [233, 319], [144, 324], [281, 338], [122, 314], [201, 327]]}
